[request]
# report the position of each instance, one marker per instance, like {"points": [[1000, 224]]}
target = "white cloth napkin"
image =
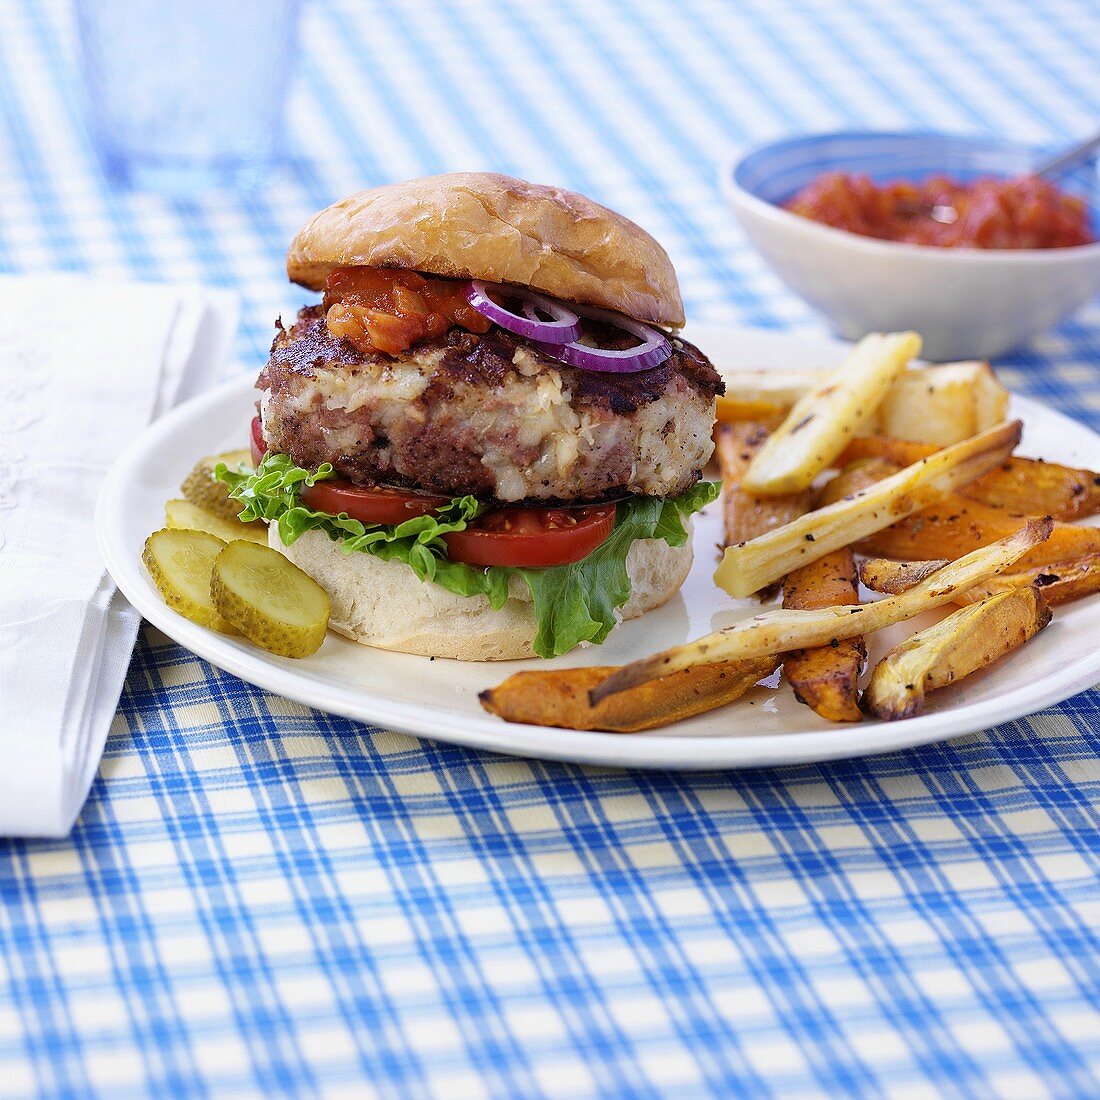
{"points": [[85, 365]]}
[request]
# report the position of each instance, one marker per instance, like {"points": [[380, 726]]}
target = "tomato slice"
{"points": [[532, 537], [373, 504], [256, 441]]}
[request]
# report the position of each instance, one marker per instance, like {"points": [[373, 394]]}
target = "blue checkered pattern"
{"points": [[264, 901]]}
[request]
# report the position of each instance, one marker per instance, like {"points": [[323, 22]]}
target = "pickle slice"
{"points": [[269, 599], [200, 488], [180, 563], [182, 513]]}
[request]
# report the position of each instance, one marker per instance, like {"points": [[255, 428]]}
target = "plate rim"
{"points": [[649, 751]]}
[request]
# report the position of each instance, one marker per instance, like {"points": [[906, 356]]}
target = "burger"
{"points": [[486, 440]]}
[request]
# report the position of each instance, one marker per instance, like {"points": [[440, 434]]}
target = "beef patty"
{"points": [[488, 415]]}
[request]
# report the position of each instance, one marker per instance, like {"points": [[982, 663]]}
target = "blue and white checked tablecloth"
{"points": [[262, 900]]}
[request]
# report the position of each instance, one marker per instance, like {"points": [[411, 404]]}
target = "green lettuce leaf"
{"points": [[572, 603]]}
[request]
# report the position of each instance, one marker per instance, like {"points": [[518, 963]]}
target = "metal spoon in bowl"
{"points": [[1051, 168]]}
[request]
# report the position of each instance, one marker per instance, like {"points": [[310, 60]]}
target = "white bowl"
{"points": [[965, 303]]}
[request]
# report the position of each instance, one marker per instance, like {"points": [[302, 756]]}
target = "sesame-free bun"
{"points": [[383, 604], [479, 225]]}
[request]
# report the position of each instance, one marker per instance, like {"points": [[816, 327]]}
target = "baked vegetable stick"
{"points": [[825, 678], [1060, 581], [967, 640], [821, 422], [560, 697], [954, 525], [781, 631], [747, 516], [749, 566], [1025, 485]]}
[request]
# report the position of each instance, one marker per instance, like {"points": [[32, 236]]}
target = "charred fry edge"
{"points": [[751, 565], [967, 640], [1060, 581], [892, 577], [779, 631]]}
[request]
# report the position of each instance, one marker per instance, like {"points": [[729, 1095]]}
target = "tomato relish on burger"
{"points": [[486, 440]]}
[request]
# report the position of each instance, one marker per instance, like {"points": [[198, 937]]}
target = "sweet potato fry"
{"points": [[825, 678], [1060, 581], [822, 421], [747, 516], [729, 410], [953, 526], [1028, 486], [749, 566], [774, 632], [560, 697], [967, 640]]}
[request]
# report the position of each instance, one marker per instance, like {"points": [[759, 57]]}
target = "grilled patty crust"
{"points": [[488, 415]]}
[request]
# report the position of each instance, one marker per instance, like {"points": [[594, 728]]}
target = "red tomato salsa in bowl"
{"points": [[1021, 212]]}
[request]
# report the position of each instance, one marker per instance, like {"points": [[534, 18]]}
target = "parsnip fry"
{"points": [[892, 577], [560, 697], [781, 631], [746, 515], [760, 561], [966, 641], [825, 678], [1025, 485], [822, 421], [954, 525], [1060, 581]]}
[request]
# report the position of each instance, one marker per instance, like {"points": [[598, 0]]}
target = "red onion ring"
{"points": [[565, 326], [652, 352]]}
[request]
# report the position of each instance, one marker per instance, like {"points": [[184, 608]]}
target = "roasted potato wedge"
{"points": [[269, 599], [560, 697], [826, 678], [747, 516], [953, 526], [944, 404], [200, 488], [1027, 486], [180, 563], [190, 517], [749, 566], [967, 640], [1059, 581], [822, 421], [774, 632]]}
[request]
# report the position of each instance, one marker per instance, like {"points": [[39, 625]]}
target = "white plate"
{"points": [[439, 698]]}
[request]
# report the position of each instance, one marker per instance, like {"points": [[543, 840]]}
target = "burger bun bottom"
{"points": [[383, 604]]}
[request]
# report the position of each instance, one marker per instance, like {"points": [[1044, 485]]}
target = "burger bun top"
{"points": [[479, 225]]}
